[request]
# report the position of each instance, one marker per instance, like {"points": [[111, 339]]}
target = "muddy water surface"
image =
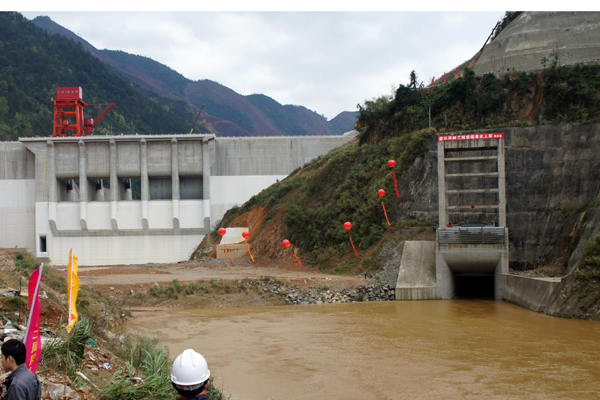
{"points": [[459, 349]]}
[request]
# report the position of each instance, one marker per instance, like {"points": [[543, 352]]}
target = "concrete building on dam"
{"points": [[76, 192]]}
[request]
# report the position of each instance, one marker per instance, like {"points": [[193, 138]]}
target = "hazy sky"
{"points": [[325, 61]]}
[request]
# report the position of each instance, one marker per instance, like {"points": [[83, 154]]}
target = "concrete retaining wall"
{"points": [[417, 278], [531, 293], [534, 35], [235, 250], [17, 213], [270, 155]]}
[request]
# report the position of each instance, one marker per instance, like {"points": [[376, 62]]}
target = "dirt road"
{"points": [[209, 269]]}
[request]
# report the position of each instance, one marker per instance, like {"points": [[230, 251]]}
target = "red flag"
{"points": [[33, 340]]}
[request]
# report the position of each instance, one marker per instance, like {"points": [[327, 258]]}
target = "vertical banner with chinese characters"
{"points": [[33, 340]]}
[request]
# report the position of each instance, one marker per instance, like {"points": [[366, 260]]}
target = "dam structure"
{"points": [[471, 180], [471, 246], [78, 192]]}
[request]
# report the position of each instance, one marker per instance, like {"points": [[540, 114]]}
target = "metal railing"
{"points": [[483, 235]]}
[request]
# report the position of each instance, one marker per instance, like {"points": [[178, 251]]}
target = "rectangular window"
{"points": [[160, 188], [43, 248]]}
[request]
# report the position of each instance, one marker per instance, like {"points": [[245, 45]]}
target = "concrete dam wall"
{"points": [[62, 193]]}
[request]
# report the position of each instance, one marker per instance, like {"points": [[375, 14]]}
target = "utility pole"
{"points": [[427, 107]]}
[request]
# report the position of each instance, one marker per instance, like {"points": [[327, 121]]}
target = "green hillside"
{"points": [[555, 95], [313, 203], [33, 63]]}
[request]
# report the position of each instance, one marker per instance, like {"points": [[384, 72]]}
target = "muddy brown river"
{"points": [[458, 349]]}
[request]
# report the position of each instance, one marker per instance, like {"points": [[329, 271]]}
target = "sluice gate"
{"points": [[471, 248]]}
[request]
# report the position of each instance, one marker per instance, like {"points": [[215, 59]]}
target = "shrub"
{"points": [[54, 351], [151, 362]]}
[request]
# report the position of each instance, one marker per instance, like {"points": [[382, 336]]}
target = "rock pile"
{"points": [[324, 295]]}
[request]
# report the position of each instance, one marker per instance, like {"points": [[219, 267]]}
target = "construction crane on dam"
{"points": [[68, 113]]}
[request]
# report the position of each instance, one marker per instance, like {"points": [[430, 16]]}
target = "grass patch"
{"points": [[145, 359], [54, 351]]}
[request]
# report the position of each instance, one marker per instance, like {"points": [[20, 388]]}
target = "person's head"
{"points": [[13, 354], [190, 374]]}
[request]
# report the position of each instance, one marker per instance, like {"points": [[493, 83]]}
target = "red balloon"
{"points": [[286, 243], [348, 226], [222, 231], [392, 163], [381, 192], [246, 234]]}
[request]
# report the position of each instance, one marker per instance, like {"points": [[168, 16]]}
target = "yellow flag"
{"points": [[73, 287]]}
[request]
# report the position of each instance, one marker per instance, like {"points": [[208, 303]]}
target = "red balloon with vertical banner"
{"points": [[222, 232], [348, 226], [246, 235], [381, 193], [286, 243]]}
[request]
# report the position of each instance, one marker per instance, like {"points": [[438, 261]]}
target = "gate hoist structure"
{"points": [[68, 113]]}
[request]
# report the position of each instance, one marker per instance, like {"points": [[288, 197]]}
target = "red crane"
{"points": [[68, 113]]}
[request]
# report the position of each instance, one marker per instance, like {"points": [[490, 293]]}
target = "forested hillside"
{"points": [[311, 205], [226, 112], [33, 63], [555, 95]]}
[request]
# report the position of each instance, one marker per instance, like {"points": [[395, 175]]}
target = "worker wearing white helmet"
{"points": [[190, 375]]}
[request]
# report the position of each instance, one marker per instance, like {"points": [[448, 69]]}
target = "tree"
{"points": [[413, 79]]}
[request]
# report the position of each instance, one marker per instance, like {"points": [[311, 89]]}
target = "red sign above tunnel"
{"points": [[444, 138]]}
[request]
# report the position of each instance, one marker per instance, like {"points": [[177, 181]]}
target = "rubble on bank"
{"points": [[324, 295]]}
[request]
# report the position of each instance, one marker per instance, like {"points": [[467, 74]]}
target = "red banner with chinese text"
{"points": [[471, 136]]}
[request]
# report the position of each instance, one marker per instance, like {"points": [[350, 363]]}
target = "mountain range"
{"points": [[225, 112]]}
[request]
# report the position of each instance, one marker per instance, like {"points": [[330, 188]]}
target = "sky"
{"points": [[326, 61]]}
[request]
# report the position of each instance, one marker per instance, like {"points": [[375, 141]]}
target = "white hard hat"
{"points": [[189, 368]]}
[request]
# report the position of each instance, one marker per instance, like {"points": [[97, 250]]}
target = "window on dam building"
{"points": [[161, 188], [68, 190], [191, 188]]}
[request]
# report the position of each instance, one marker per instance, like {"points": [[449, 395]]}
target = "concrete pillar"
{"points": [[444, 278], [114, 185], [128, 196], [443, 198], [145, 183], [100, 192], [52, 186], [176, 194], [206, 182], [83, 186], [501, 270], [501, 184]]}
